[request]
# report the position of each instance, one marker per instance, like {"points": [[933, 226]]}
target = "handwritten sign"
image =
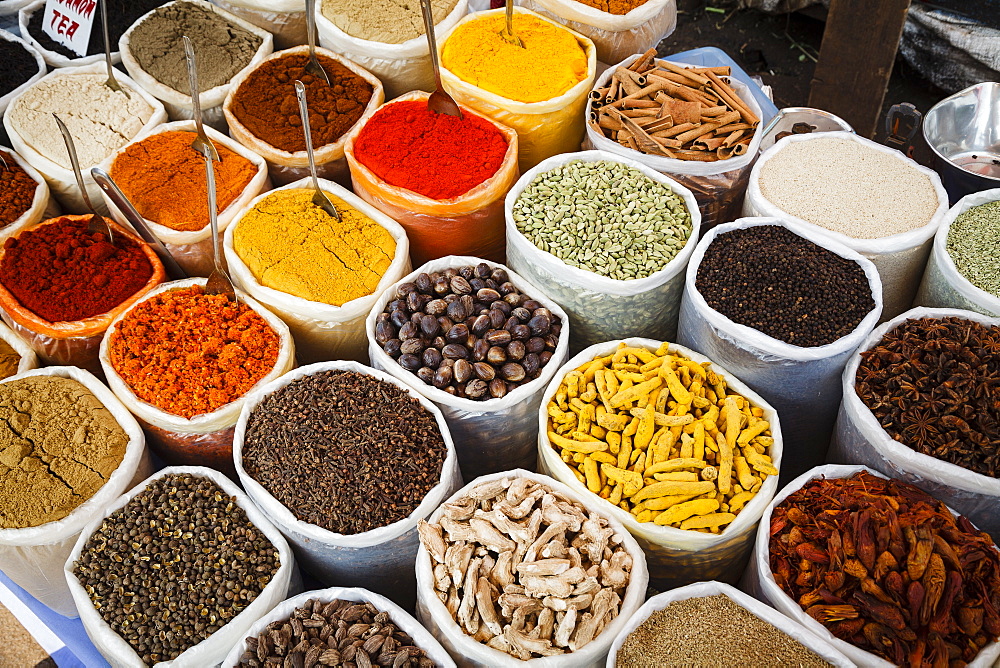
{"points": [[69, 23]]}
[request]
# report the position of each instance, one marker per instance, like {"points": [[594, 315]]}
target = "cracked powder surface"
{"points": [[387, 21], [58, 445], [101, 120], [291, 245]]}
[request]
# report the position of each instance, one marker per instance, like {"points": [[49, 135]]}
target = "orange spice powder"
{"points": [[189, 353]]}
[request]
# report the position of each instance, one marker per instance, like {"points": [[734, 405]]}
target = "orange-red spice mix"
{"points": [[189, 353]]}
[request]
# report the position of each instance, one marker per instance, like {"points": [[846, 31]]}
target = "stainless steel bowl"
{"points": [[823, 121], [963, 131]]}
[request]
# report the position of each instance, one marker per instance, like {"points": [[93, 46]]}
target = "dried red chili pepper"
{"points": [[888, 568]]}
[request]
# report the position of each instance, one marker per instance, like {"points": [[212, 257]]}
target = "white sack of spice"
{"points": [[943, 285], [515, 566], [871, 198], [637, 247]]}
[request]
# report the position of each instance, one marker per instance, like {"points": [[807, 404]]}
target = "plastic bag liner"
{"points": [[471, 653], [718, 186], [544, 129], [943, 286], [758, 581], [288, 166], [490, 435], [470, 224], [74, 343], [401, 67], [212, 650], [205, 439], [402, 619], [380, 559], [860, 439], [284, 19], [322, 331], [10, 37], [52, 59], [178, 103], [193, 249], [604, 308], [899, 258], [802, 383], [786, 625], [42, 206], [675, 557], [616, 36], [33, 557], [61, 180]]}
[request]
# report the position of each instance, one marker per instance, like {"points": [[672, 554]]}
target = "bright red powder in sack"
{"points": [[61, 272], [437, 155]]}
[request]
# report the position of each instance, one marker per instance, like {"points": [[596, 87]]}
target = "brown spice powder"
{"points": [[9, 360]]}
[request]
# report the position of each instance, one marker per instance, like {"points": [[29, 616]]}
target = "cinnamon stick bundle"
{"points": [[658, 108]]}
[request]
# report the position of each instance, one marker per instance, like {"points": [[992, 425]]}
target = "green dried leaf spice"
{"points": [[974, 245], [604, 217]]}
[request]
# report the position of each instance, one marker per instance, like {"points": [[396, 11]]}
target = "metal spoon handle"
{"points": [[428, 14], [114, 193], [193, 82], [509, 7], [71, 149], [213, 217], [111, 82], [311, 26], [300, 94]]}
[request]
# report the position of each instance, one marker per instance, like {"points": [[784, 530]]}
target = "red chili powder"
{"points": [[437, 155], [61, 272], [188, 353]]}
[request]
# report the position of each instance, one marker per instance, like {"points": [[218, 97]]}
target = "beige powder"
{"points": [[101, 120], [58, 446], [388, 21]]}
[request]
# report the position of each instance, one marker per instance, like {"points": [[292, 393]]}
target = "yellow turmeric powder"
{"points": [[551, 62], [291, 245]]}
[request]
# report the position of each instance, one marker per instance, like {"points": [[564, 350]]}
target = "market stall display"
{"points": [[158, 165], [152, 52], [23, 66], [319, 275], [234, 566], [928, 418], [782, 308], [24, 195], [260, 111], [539, 91], [870, 198], [674, 447], [615, 262], [483, 356], [100, 119], [888, 575], [340, 608], [346, 460], [441, 177], [570, 576], [963, 270], [386, 37], [70, 448], [186, 381], [61, 286], [687, 122], [711, 624]]}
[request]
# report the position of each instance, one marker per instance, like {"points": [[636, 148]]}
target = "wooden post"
{"points": [[856, 58]]}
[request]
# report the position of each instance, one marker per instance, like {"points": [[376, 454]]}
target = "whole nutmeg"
{"points": [[516, 350], [521, 332], [441, 285], [443, 377], [423, 283], [535, 344], [412, 347], [399, 317], [483, 270], [521, 313], [432, 357], [405, 289], [463, 371], [484, 371], [475, 389], [460, 286], [467, 272], [496, 355], [416, 301], [497, 318], [392, 347], [480, 349], [498, 388], [456, 311], [457, 334], [436, 307], [540, 324], [426, 374], [455, 351], [384, 331], [487, 295], [429, 325], [498, 337], [480, 324], [410, 362], [532, 364], [512, 371]]}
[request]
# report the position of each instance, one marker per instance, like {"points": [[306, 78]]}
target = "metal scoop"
{"points": [[115, 194], [97, 222], [201, 142], [319, 197], [111, 83], [3, 161], [507, 34], [439, 102], [312, 65]]}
